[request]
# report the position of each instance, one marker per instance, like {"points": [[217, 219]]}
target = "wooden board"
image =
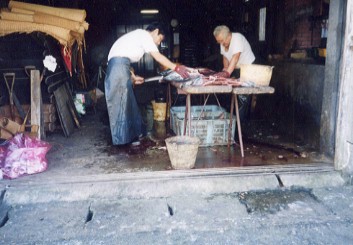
{"points": [[217, 89], [36, 104], [64, 111], [253, 90]]}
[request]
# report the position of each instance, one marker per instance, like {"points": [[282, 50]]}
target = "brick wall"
{"points": [[301, 32]]}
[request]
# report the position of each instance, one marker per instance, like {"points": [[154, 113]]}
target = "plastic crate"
{"points": [[209, 123]]}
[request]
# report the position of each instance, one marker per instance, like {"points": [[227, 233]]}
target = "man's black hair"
{"points": [[156, 25]]}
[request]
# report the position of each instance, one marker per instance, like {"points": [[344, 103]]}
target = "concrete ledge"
{"points": [[138, 188], [313, 180], [41, 189], [45, 180]]}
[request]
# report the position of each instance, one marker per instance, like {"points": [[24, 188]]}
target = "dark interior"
{"points": [[288, 119]]}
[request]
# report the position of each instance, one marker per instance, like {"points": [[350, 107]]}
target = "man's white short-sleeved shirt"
{"points": [[133, 45], [239, 44]]}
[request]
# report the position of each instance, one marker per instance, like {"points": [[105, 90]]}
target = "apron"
{"points": [[124, 115]]}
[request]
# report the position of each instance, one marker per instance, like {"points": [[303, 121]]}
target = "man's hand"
{"points": [[182, 71], [137, 80], [224, 74]]}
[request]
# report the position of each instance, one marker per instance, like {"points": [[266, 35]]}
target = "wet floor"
{"points": [[219, 156], [89, 150], [266, 202]]}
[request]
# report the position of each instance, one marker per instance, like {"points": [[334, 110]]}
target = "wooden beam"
{"points": [[332, 76], [36, 104]]}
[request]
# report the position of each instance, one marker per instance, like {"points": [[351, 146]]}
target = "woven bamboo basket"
{"points": [[182, 151]]}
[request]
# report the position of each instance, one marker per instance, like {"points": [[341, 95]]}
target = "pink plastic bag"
{"points": [[2, 155], [22, 155]]}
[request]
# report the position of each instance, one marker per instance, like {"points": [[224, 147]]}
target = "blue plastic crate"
{"points": [[209, 123]]}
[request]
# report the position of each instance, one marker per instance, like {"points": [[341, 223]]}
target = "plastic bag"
{"points": [[22, 155], [2, 159]]}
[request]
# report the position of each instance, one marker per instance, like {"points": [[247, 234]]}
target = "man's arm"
{"points": [[230, 66], [225, 63], [136, 80], [164, 61]]}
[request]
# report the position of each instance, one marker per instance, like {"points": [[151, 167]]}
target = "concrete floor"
{"points": [[95, 193], [89, 151], [55, 215]]}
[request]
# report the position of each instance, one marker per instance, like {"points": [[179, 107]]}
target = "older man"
{"points": [[235, 49]]}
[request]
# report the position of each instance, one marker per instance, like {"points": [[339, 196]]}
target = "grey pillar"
{"points": [[344, 121], [332, 73]]}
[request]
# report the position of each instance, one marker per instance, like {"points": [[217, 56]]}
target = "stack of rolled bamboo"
{"points": [[64, 24]]}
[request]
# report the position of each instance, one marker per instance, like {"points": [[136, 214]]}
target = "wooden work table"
{"points": [[189, 90], [234, 102]]}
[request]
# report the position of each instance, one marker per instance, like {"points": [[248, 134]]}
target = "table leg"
{"points": [[230, 120], [239, 126], [188, 97], [186, 115], [169, 103]]}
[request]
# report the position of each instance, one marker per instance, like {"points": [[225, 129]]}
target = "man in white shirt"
{"points": [[124, 115], [235, 49]]}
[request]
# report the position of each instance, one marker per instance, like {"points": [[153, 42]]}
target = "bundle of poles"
{"points": [[64, 24]]}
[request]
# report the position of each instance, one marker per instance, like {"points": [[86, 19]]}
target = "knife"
{"points": [[152, 79]]}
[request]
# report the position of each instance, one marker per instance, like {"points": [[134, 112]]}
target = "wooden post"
{"points": [[344, 122], [36, 104], [332, 76], [239, 125], [231, 119]]}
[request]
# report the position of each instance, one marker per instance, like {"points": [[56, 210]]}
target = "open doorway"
{"points": [[282, 129]]}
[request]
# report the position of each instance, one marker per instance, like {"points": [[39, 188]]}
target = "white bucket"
{"points": [[258, 74], [182, 151]]}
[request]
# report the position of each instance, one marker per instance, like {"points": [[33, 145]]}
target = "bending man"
{"points": [[236, 51], [124, 114]]}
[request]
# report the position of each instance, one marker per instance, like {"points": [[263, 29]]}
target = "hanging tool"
{"points": [[55, 85], [28, 70], [10, 90], [12, 97]]}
